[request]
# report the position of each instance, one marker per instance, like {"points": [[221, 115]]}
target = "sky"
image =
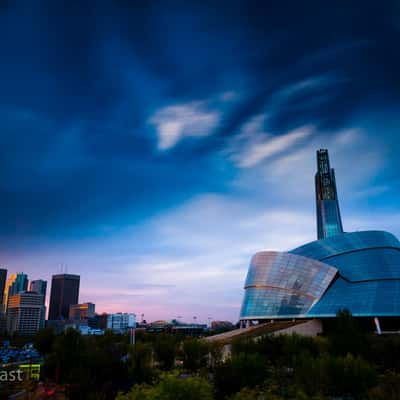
{"points": [[154, 147]]}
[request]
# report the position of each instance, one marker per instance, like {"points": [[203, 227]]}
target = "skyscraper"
{"points": [[25, 313], [64, 292], [3, 278], [329, 222], [39, 286], [15, 284]]}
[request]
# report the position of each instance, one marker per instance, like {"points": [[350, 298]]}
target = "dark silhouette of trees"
{"points": [[165, 350], [345, 363], [171, 387], [242, 370], [195, 355]]}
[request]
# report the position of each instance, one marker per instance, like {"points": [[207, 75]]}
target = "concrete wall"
{"points": [[309, 328]]}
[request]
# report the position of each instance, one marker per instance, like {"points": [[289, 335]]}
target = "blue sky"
{"points": [[154, 148]]}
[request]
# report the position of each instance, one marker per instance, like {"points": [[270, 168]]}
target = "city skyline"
{"points": [[153, 151]]}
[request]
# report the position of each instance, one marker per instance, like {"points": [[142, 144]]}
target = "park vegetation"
{"points": [[345, 363]]}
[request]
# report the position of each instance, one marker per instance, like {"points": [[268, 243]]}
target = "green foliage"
{"points": [[335, 376], [248, 394], [268, 368], [242, 370], [346, 336], [195, 354], [89, 364], [384, 352], [140, 363], [44, 341], [388, 387], [165, 350], [137, 392], [171, 387], [244, 345], [216, 351]]}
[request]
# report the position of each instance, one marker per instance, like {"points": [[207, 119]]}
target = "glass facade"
{"points": [[283, 284], [329, 222], [64, 292], [380, 298], [359, 271], [322, 249]]}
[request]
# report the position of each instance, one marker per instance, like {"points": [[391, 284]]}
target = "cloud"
{"points": [[306, 85], [297, 167], [173, 123], [229, 96], [253, 146]]}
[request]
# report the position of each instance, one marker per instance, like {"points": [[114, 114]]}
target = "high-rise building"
{"points": [[39, 286], [25, 313], [16, 283], [121, 322], [64, 292], [81, 312], [3, 278], [100, 321], [329, 222]]}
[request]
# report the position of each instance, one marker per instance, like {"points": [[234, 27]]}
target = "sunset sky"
{"points": [[153, 147]]}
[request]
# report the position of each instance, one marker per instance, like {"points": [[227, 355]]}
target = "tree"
{"points": [[243, 370], [195, 354], [44, 341], [216, 352], [384, 351], [335, 376], [165, 349], [346, 335], [171, 387], [140, 363], [137, 392], [248, 394], [388, 387]]}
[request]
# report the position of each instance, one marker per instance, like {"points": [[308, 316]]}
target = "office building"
{"points": [[64, 292], [3, 278], [25, 313], [83, 327], [39, 286], [329, 222], [15, 284], [121, 322], [358, 271], [81, 312], [100, 321]]}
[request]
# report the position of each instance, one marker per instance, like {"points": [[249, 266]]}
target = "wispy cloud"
{"points": [[193, 119], [253, 145]]}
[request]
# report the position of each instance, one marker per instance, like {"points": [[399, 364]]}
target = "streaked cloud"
{"points": [[173, 123], [254, 146]]}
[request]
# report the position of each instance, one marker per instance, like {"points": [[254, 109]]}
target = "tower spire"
{"points": [[329, 222]]}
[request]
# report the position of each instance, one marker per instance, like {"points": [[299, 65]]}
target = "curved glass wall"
{"points": [[261, 303], [321, 249], [363, 299], [368, 264], [359, 271], [283, 284]]}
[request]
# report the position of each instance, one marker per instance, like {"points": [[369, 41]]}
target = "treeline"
{"points": [[344, 364]]}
